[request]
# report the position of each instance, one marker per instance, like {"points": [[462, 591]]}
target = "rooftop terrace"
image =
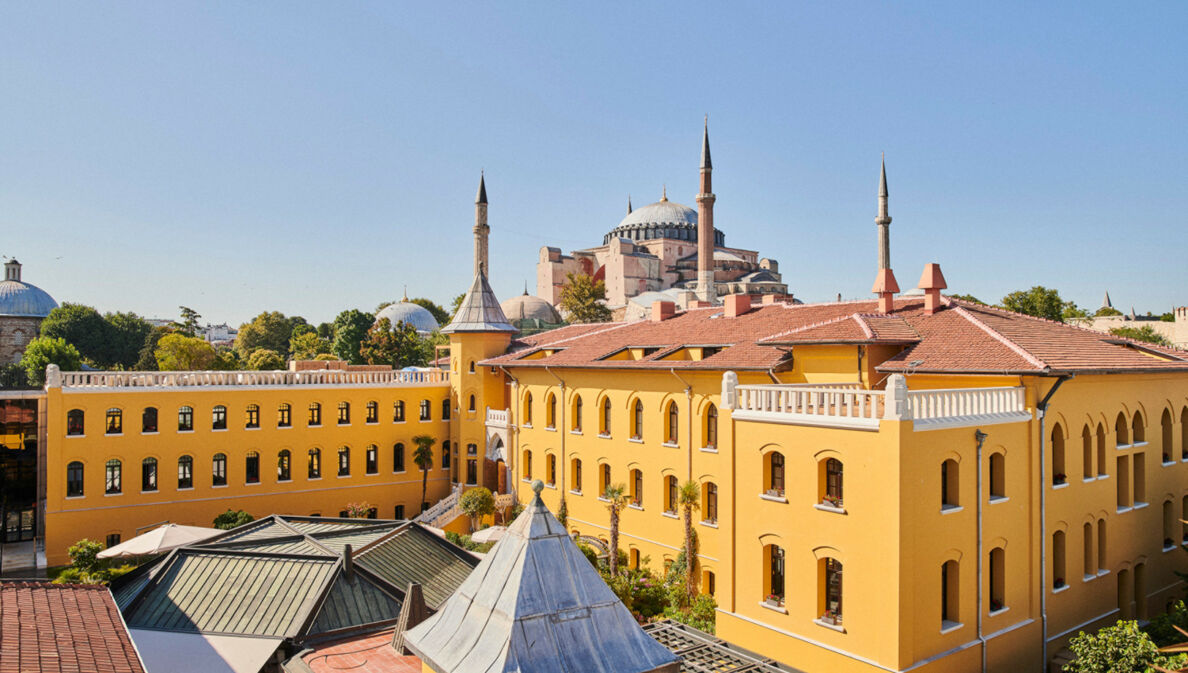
{"points": [[87, 381]]}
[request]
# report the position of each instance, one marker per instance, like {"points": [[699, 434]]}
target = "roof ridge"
{"points": [[963, 312], [611, 326], [861, 320], [804, 328]]}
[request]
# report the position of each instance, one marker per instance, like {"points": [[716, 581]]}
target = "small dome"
{"points": [[662, 219], [528, 307], [21, 299], [661, 212], [409, 313]]}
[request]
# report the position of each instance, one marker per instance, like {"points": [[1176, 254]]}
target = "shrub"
{"points": [[1121, 648], [84, 555], [232, 518]]}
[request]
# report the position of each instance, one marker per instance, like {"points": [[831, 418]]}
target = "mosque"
{"points": [[660, 248], [22, 308]]}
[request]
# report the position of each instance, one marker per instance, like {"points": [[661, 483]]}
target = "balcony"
{"points": [[497, 418], [849, 406], [94, 381]]}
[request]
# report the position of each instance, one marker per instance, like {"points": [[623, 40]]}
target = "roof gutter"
{"points": [[1041, 409]]}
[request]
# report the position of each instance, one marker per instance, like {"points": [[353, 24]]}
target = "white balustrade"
{"points": [[319, 377], [497, 417], [956, 407]]}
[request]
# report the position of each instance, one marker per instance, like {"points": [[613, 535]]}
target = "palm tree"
{"points": [[688, 497], [423, 457], [616, 496]]}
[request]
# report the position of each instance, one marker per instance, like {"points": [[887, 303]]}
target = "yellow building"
{"points": [[128, 450]]}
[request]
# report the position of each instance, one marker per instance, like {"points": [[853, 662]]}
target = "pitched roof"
{"points": [[535, 604], [961, 337], [479, 311], [54, 628], [701, 652]]}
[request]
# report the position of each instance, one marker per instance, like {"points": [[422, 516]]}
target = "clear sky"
{"points": [[236, 157]]}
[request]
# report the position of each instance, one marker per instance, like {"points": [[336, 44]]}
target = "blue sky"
{"points": [[312, 157]]}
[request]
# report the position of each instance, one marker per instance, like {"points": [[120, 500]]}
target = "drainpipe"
{"points": [[1041, 409], [689, 399], [980, 437], [562, 432], [513, 431]]}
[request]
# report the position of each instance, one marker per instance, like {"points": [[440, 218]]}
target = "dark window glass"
{"points": [[445, 408], [315, 463], [577, 413], [253, 416], [219, 418], [777, 472], [472, 449], [399, 514], [372, 456], [777, 572], [74, 480], [471, 405], [606, 478], [472, 471], [113, 477], [315, 413], [218, 470], [398, 412], [638, 488], [445, 455], [284, 416], [148, 420], [552, 466], [528, 408], [398, 458], [552, 412], [251, 468], [606, 416], [673, 423], [711, 502], [672, 494], [115, 422], [185, 419], [344, 413], [283, 466], [637, 421], [148, 474], [833, 480], [185, 472], [74, 422], [426, 410], [711, 427], [833, 588], [373, 412], [577, 475], [112, 540], [344, 461]]}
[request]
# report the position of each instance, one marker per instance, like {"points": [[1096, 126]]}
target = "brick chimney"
{"points": [[663, 310], [737, 304], [932, 281], [886, 287]]}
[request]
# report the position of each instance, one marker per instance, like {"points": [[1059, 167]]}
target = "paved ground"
{"points": [[18, 559], [370, 654]]}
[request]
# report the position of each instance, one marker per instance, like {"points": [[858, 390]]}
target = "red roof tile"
{"points": [[52, 628]]}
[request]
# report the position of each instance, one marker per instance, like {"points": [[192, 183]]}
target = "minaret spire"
{"points": [[628, 204], [706, 290], [883, 220], [481, 230]]}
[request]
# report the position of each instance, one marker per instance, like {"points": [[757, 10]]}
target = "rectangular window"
{"points": [[74, 480], [472, 471], [284, 416], [399, 513], [74, 422], [112, 540], [148, 474], [426, 410], [344, 462], [372, 459], [398, 412], [445, 409], [218, 470], [253, 416], [185, 472], [711, 503], [115, 422], [148, 420], [344, 413], [398, 458], [251, 470], [219, 418], [445, 455], [113, 480], [372, 412], [185, 419], [315, 414]]}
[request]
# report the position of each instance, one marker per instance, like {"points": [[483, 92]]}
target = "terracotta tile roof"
{"points": [[961, 337], [371, 653], [52, 628]]}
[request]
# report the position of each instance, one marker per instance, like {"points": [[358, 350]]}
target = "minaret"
{"points": [[481, 230], [12, 270], [883, 221], [705, 225]]}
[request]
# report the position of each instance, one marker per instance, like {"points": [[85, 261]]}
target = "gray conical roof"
{"points": [[480, 311], [536, 605]]}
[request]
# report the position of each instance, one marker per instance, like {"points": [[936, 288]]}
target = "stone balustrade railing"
{"points": [[947, 407], [497, 417], [834, 406], [90, 380]]}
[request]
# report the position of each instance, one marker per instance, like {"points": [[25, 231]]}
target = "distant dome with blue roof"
{"points": [[409, 313], [21, 299]]}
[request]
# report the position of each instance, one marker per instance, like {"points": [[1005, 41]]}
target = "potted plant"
{"points": [[1059, 583], [830, 617], [774, 600], [832, 501], [1059, 478], [995, 605]]}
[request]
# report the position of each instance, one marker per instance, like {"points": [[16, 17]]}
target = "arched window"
{"points": [[74, 480], [185, 419], [344, 461], [185, 472], [997, 579], [950, 484], [1087, 471], [372, 459], [1165, 436], [315, 464], [950, 595], [251, 468], [74, 422], [604, 479], [831, 495], [575, 475], [218, 470], [445, 454], [218, 418], [148, 419], [1090, 562], [398, 457], [398, 411], [637, 488], [551, 412], [472, 366], [113, 477], [148, 474], [1059, 476], [372, 412], [315, 414], [1102, 463], [775, 474], [1138, 429], [773, 557], [528, 409], [1102, 549], [284, 465], [711, 427], [1058, 567], [1169, 525], [997, 475], [670, 494], [605, 421], [551, 473], [831, 590], [344, 413], [445, 408], [527, 466], [1121, 431], [284, 415], [709, 502], [637, 420], [115, 422], [470, 406], [577, 413], [426, 411], [252, 416], [673, 434]]}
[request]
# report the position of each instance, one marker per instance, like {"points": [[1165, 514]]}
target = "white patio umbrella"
{"points": [[490, 534], [159, 540]]}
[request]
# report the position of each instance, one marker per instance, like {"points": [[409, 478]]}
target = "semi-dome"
{"points": [[528, 307], [21, 299], [662, 219], [411, 314]]}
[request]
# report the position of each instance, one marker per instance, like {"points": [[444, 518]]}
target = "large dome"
{"points": [[20, 299], [663, 219], [409, 313], [528, 307]]}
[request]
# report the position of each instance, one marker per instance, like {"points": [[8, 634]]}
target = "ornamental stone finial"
{"points": [[537, 487], [895, 403], [53, 376], [729, 394]]}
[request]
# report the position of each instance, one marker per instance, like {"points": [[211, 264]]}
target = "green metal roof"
{"points": [[413, 554], [356, 538], [354, 602], [294, 544]]}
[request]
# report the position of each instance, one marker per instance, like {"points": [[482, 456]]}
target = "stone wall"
{"points": [[15, 334]]}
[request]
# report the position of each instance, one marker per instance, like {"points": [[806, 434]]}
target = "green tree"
{"points": [[477, 503], [968, 297], [326, 331], [1039, 301], [12, 375], [178, 352], [127, 332], [299, 326], [350, 328], [1145, 333], [439, 313], [226, 360], [271, 330], [84, 328], [44, 351], [399, 346], [84, 555], [308, 345], [1072, 312], [1121, 648], [232, 518], [456, 303], [188, 325], [1167, 317], [616, 500], [429, 344], [688, 498], [1106, 311], [263, 359], [581, 299], [423, 457]]}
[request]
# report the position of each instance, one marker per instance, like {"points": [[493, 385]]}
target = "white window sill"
{"points": [[1057, 487], [284, 481], [1088, 578], [75, 497], [635, 506], [313, 478], [151, 432], [74, 436], [1123, 510], [951, 509], [1102, 572], [709, 524], [371, 423], [218, 429], [602, 499], [999, 611], [550, 428], [425, 420], [671, 445], [1140, 505], [527, 480], [156, 490], [829, 508], [251, 427], [995, 499], [526, 425], [311, 425], [1122, 446], [709, 449], [185, 488], [671, 515], [113, 434], [773, 498], [218, 486], [185, 432], [635, 440], [1138, 444], [112, 495], [343, 476], [547, 485], [604, 435], [284, 427], [575, 491], [251, 483], [398, 422], [949, 627], [833, 627], [774, 608], [1087, 480], [1168, 548], [1059, 589], [399, 471], [575, 432]]}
